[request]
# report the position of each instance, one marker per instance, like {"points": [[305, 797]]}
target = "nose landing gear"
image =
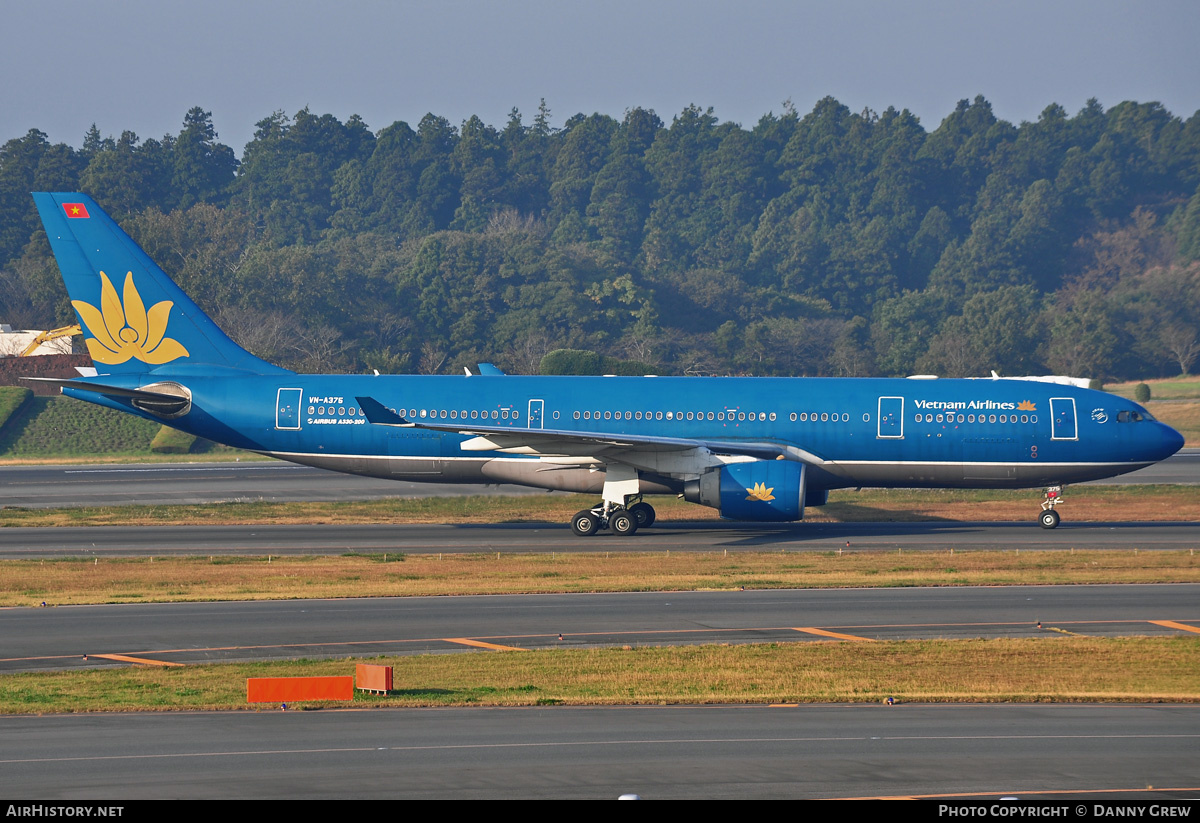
{"points": [[1049, 517]]}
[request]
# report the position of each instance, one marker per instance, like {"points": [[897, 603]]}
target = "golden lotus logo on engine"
{"points": [[761, 492], [124, 330]]}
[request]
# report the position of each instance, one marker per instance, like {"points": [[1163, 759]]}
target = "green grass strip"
{"points": [[1044, 669]]}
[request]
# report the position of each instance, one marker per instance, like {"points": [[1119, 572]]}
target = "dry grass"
{"points": [[1085, 504], [1181, 415], [142, 580], [223, 456], [1044, 669], [1166, 388]]}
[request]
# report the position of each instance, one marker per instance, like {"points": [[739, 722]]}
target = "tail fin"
{"points": [[135, 319]]}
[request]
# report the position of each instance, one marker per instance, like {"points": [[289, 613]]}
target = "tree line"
{"points": [[829, 243]]}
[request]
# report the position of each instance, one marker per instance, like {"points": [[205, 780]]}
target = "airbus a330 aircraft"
{"points": [[752, 448]]}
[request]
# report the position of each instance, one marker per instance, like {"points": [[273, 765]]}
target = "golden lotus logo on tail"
{"points": [[121, 331], [1026, 405], [761, 492]]}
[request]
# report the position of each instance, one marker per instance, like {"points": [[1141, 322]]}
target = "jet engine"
{"points": [[756, 490]]}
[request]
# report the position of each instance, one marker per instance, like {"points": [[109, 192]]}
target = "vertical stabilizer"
{"points": [[134, 318]]}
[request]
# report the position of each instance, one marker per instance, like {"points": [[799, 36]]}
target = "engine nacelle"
{"points": [[758, 490]]}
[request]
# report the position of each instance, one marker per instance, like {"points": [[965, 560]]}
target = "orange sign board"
{"points": [[284, 689]]}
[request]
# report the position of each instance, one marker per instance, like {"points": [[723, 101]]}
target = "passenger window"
{"points": [[970, 418], [607, 415], [576, 415], [628, 415], [1024, 418], [824, 417], [658, 415], [991, 418], [710, 416], [772, 415], [637, 415], [939, 419], [493, 414], [453, 414], [792, 417]]}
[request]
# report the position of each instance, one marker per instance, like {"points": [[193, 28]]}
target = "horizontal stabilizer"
{"points": [[161, 403]]}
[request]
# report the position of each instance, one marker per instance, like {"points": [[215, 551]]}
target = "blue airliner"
{"points": [[752, 448]]}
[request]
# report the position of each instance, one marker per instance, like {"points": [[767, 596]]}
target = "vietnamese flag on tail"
{"points": [[75, 210]]}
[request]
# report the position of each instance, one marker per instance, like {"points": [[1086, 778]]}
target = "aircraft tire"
{"points": [[1049, 519], [585, 523], [622, 523], [644, 513]]}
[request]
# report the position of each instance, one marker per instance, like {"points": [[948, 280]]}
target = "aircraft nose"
{"points": [[1172, 441]]}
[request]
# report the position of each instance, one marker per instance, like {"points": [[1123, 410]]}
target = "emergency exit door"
{"points": [[287, 408], [891, 418]]}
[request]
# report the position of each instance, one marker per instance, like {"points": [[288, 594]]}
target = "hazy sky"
{"points": [[140, 64]]}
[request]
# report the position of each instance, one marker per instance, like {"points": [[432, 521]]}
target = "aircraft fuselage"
{"points": [[1006, 433]]}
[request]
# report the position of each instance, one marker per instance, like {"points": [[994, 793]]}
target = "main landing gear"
{"points": [[623, 521], [1049, 517]]}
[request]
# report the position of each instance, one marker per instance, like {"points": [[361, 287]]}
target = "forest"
{"points": [[827, 243]]}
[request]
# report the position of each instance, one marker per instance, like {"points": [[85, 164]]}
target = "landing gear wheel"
{"points": [[644, 513], [1049, 519], [585, 523], [622, 523]]}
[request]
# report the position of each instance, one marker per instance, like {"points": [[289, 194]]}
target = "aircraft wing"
{"points": [[600, 445]]}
